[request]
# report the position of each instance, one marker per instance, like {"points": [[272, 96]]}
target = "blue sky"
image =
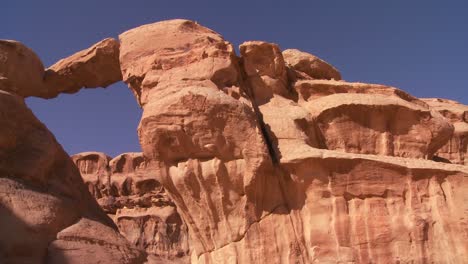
{"points": [[418, 46]]}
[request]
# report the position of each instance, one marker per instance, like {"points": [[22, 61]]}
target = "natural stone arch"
{"points": [[204, 134]]}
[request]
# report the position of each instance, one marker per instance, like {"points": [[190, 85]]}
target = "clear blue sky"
{"points": [[418, 46]]}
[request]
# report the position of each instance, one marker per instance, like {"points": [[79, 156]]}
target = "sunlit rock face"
{"points": [[265, 157], [309, 66], [96, 66], [199, 130], [456, 148], [272, 162]]}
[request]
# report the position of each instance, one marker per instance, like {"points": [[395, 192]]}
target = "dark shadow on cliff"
{"points": [[20, 243]]}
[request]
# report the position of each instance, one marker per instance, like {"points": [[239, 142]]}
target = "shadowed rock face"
{"points": [[25, 82], [97, 66], [45, 208], [127, 190], [266, 157]]}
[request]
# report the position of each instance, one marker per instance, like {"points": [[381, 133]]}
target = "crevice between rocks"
{"points": [[246, 87], [273, 152]]}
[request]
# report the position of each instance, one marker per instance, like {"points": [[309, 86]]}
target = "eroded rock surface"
{"points": [[455, 150], [45, 208], [130, 194], [21, 70], [161, 54], [248, 175], [266, 158], [204, 144], [350, 117], [97, 66], [310, 65]]}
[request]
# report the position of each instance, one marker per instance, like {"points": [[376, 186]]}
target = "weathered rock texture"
{"points": [[268, 159], [21, 70], [130, 194], [182, 47], [265, 166], [456, 148], [97, 66], [310, 65], [46, 213]]}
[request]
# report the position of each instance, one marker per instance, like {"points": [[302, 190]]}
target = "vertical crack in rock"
{"points": [[274, 154], [245, 85]]}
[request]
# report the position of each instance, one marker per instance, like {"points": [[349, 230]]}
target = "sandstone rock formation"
{"points": [[456, 148], [130, 194], [310, 65], [25, 82], [46, 213], [97, 66], [182, 47], [264, 69], [384, 120], [246, 171], [268, 157]]}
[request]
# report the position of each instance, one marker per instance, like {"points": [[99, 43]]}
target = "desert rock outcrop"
{"points": [[130, 194], [247, 173], [384, 120], [205, 145], [268, 157], [21, 70], [265, 70], [97, 66], [456, 148], [310, 65], [161, 54], [45, 208]]}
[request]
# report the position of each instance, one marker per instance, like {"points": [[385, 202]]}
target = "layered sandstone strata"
{"points": [[271, 166]]}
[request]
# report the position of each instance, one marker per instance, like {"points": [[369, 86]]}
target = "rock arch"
{"points": [[257, 154]]}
